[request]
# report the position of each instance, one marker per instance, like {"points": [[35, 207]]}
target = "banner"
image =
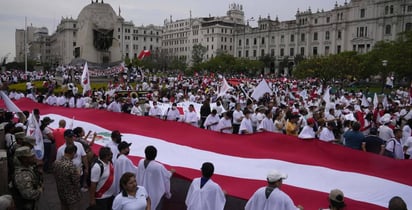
{"points": [[85, 79], [241, 162], [261, 89]]}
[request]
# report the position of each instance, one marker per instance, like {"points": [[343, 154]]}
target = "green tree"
{"points": [[198, 54]]}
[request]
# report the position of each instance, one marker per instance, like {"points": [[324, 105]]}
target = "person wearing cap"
{"points": [[116, 139], [394, 148], [307, 131], [80, 159], [271, 196], [48, 141], [204, 193], [27, 182], [190, 117], [122, 164], [246, 124], [172, 113], [385, 131], [154, 177], [68, 180], [336, 200], [211, 121]]}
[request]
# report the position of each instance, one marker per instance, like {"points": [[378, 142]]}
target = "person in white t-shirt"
{"points": [[212, 120], [191, 116], [102, 181], [246, 124], [133, 196], [225, 124]]}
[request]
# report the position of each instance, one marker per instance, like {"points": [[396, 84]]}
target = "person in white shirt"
{"points": [[155, 111], [133, 196], [393, 146], [114, 143], [225, 124], [122, 164], [204, 193], [385, 132], [153, 176], [327, 133], [115, 106], [212, 120], [267, 123], [237, 118], [307, 131], [172, 113], [191, 116], [246, 124], [406, 131], [271, 196]]}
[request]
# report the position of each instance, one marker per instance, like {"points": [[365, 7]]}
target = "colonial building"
{"points": [[353, 26], [37, 47]]}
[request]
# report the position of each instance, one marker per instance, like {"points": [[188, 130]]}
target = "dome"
{"points": [[101, 15]]}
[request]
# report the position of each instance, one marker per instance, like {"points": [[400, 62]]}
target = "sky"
{"points": [[48, 13]]}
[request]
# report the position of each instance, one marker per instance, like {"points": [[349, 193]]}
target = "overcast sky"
{"points": [[48, 13]]}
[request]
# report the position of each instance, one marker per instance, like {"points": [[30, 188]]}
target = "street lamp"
{"points": [[384, 64], [244, 34]]}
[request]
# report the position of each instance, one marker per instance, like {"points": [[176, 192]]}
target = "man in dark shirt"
{"points": [[204, 112], [372, 142], [354, 138]]}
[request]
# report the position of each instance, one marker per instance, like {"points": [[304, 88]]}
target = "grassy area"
{"points": [[39, 86]]}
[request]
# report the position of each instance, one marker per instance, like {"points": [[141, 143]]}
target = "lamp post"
{"points": [[384, 64], [244, 34]]}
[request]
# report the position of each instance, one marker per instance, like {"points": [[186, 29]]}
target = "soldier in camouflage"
{"points": [[27, 182]]}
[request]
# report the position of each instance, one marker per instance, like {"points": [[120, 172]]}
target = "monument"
{"points": [[96, 38]]}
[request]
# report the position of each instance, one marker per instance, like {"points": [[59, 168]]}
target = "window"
{"points": [[302, 37], [339, 49], [272, 52], [388, 30], [240, 42], [74, 25], [409, 9], [302, 51], [239, 54], [386, 10], [315, 51], [362, 13], [291, 51], [254, 53], [339, 34], [262, 52], [327, 19], [263, 40], [391, 9], [254, 41], [326, 50], [408, 27], [282, 38], [247, 54], [282, 52], [315, 36], [74, 44], [292, 38], [327, 35], [247, 41], [316, 21]]}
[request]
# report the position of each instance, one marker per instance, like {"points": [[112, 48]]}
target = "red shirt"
{"points": [[58, 135]]}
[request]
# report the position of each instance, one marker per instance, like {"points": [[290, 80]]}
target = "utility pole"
{"points": [[25, 45]]}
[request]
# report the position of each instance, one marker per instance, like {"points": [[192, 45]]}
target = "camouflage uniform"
{"points": [[27, 183]]}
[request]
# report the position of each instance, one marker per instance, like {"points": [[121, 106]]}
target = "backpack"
{"points": [[95, 161]]}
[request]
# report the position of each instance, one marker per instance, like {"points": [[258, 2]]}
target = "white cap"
{"points": [[275, 175]]}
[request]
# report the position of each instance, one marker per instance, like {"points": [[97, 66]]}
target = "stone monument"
{"points": [[95, 38]]}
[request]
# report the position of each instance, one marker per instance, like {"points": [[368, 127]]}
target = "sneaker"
{"points": [[84, 189]]}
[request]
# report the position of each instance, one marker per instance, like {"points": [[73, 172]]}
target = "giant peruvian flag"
{"points": [[242, 162]]}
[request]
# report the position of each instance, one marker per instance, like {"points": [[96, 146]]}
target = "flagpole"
{"points": [[25, 45]]}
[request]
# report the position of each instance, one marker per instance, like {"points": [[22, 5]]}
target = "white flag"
{"points": [[224, 88], [365, 102], [85, 79], [385, 102], [33, 129], [375, 101], [261, 89], [9, 104]]}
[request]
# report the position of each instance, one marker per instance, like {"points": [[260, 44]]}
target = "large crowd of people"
{"points": [[307, 109]]}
